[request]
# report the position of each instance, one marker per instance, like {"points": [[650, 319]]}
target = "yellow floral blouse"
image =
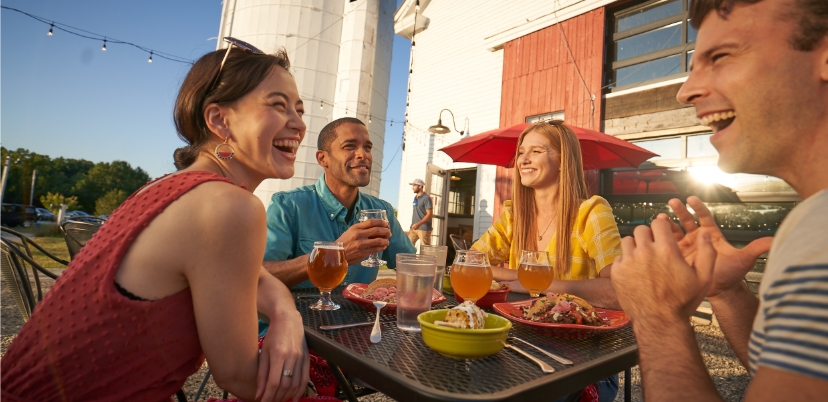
{"points": [[595, 240]]}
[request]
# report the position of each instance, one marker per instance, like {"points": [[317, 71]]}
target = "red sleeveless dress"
{"points": [[87, 342]]}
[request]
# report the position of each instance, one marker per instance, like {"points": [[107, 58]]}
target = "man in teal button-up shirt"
{"points": [[329, 211]]}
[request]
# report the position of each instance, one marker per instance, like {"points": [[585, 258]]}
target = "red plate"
{"points": [[354, 291], [514, 312], [488, 300]]}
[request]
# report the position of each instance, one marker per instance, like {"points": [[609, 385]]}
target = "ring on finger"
{"points": [[287, 373]]}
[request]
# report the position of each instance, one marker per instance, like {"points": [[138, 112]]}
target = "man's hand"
{"points": [[415, 226], [365, 238], [731, 264], [652, 280]]}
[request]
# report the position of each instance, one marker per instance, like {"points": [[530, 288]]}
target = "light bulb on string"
{"points": [[103, 49], [50, 30], [369, 119], [321, 105], [150, 58]]}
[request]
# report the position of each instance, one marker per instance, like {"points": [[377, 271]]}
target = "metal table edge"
{"points": [[398, 385]]}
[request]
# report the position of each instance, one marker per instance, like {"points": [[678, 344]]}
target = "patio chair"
{"points": [[459, 243], [15, 262], [78, 232]]}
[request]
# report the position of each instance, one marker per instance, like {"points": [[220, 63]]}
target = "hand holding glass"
{"points": [[535, 271], [373, 260], [327, 268], [471, 275]]}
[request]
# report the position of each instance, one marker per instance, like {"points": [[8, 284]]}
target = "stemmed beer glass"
{"points": [[471, 275], [327, 268], [535, 271], [373, 260]]}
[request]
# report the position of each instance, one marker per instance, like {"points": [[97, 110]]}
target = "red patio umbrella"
{"points": [[497, 147]]}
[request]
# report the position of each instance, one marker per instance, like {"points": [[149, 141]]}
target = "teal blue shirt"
{"points": [[297, 218]]}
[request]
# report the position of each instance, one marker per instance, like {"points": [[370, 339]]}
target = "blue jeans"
{"points": [[607, 388]]}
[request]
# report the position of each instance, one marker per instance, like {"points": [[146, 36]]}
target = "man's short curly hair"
{"points": [[328, 133], [811, 16]]}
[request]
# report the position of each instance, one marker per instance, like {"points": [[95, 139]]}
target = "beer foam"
{"points": [[331, 247]]}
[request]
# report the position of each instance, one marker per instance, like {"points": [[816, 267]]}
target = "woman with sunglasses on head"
{"points": [[175, 274]]}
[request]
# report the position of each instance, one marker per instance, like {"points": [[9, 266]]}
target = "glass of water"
{"points": [[439, 252], [373, 260], [415, 287]]}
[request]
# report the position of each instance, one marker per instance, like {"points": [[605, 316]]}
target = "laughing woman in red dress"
{"points": [[175, 274]]}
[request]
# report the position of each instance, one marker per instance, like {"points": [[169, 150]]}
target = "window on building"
{"points": [[650, 41], [739, 202], [455, 203], [559, 115]]}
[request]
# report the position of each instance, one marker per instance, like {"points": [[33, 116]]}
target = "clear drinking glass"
{"points": [[535, 271], [415, 284], [373, 260], [471, 275], [327, 267], [439, 252]]}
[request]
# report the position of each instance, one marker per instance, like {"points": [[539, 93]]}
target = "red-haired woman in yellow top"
{"points": [[549, 198]]}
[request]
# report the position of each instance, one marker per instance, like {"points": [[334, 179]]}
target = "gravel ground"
{"points": [[728, 374]]}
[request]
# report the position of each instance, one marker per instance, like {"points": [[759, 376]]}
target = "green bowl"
{"points": [[464, 343]]}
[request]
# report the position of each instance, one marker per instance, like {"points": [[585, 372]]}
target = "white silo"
{"points": [[340, 54]]}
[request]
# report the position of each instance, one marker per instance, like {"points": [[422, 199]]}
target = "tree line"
{"points": [[97, 188]]}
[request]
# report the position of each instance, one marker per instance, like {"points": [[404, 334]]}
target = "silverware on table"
{"points": [[546, 368], [559, 359], [311, 296], [341, 326]]}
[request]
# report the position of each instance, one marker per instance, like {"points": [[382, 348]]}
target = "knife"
{"points": [[560, 359], [353, 324]]}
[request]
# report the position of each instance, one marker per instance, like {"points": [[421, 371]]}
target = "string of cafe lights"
{"points": [[54, 25]]}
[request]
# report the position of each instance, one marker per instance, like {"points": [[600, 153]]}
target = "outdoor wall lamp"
{"points": [[441, 129]]}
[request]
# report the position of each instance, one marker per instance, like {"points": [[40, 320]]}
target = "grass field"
{"points": [[54, 245], [51, 241]]}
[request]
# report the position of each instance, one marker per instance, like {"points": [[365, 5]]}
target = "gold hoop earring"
{"points": [[225, 154]]}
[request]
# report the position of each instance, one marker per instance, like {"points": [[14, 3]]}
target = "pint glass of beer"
{"points": [[326, 269]]}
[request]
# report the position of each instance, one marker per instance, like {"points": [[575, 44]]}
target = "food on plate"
{"points": [[466, 316], [564, 308], [498, 286], [382, 290]]}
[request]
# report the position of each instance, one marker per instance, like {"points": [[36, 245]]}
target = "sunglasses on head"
{"points": [[239, 44], [556, 122]]}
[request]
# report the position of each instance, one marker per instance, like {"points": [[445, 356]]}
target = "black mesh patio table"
{"points": [[404, 368]]}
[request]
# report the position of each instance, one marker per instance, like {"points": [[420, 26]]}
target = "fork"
{"points": [[559, 359]]}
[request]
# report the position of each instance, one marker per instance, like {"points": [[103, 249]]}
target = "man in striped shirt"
{"points": [[759, 79]]}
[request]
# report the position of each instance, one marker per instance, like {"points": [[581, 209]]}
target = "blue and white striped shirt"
{"points": [[791, 328]]}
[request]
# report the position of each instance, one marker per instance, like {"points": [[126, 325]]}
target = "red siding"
{"points": [[539, 77]]}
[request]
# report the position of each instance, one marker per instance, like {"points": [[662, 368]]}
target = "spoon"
{"points": [[545, 368], [376, 335], [560, 359]]}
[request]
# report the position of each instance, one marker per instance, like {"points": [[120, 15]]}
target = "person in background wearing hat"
{"points": [[421, 216]]}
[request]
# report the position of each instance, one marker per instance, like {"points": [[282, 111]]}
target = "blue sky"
{"points": [[62, 96]]}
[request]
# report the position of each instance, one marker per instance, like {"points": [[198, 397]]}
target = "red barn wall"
{"points": [[539, 76]]}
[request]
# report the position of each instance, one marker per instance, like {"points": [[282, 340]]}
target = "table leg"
{"points": [[343, 383], [627, 385]]}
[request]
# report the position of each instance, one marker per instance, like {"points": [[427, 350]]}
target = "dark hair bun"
{"points": [[184, 157]]}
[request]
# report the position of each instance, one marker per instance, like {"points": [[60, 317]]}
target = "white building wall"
{"points": [[454, 67], [312, 32]]}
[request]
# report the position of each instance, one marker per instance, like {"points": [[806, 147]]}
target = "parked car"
{"points": [[18, 215], [79, 216], [45, 215]]}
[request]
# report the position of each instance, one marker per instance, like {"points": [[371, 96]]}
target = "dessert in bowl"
{"points": [[464, 339]]}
